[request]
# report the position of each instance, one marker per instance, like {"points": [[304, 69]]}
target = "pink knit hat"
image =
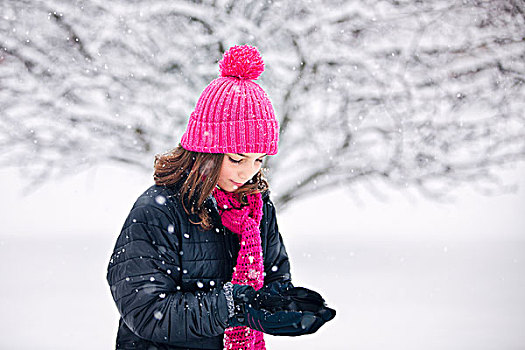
{"points": [[233, 113]]}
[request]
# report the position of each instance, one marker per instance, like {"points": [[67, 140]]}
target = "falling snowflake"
{"points": [[160, 199]]}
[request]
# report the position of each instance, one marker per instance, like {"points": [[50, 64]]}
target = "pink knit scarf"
{"points": [[249, 269]]}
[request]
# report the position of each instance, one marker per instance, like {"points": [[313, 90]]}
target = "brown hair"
{"points": [[204, 169]]}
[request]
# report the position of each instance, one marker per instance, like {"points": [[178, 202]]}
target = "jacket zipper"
{"points": [[228, 238], [230, 264]]}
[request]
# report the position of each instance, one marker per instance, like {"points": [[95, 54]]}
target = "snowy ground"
{"points": [[400, 275]]}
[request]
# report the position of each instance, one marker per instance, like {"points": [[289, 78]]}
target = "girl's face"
{"points": [[239, 168]]}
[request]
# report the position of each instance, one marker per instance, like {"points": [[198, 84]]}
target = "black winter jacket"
{"points": [[166, 274]]}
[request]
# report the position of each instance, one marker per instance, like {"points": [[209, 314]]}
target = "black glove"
{"points": [[277, 287], [303, 299], [316, 312], [311, 301], [268, 313]]}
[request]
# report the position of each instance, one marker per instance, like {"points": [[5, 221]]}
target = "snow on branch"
{"points": [[412, 93]]}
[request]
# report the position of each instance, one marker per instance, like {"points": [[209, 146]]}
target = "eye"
{"points": [[238, 161], [234, 161]]}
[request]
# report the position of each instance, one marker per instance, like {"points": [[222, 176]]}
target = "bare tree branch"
{"points": [[411, 93]]}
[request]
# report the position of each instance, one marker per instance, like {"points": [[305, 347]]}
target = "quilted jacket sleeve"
{"points": [[276, 263], [143, 272]]}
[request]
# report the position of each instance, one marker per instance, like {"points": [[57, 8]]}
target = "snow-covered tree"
{"points": [[424, 93]]}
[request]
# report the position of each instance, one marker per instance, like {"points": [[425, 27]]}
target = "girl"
{"points": [[200, 262]]}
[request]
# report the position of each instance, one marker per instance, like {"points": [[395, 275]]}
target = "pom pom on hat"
{"points": [[233, 113], [243, 62]]}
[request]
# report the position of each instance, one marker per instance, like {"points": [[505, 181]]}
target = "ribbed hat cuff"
{"points": [[243, 136]]}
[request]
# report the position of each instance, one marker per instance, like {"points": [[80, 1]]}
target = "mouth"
{"points": [[236, 183]]}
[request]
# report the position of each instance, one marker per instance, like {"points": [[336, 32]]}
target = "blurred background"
{"points": [[399, 180]]}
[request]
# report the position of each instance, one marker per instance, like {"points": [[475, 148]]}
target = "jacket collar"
{"points": [[213, 202]]}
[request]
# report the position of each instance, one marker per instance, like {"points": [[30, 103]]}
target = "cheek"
{"points": [[225, 171]]}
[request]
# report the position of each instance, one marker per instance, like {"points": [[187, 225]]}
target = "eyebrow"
{"points": [[243, 155]]}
